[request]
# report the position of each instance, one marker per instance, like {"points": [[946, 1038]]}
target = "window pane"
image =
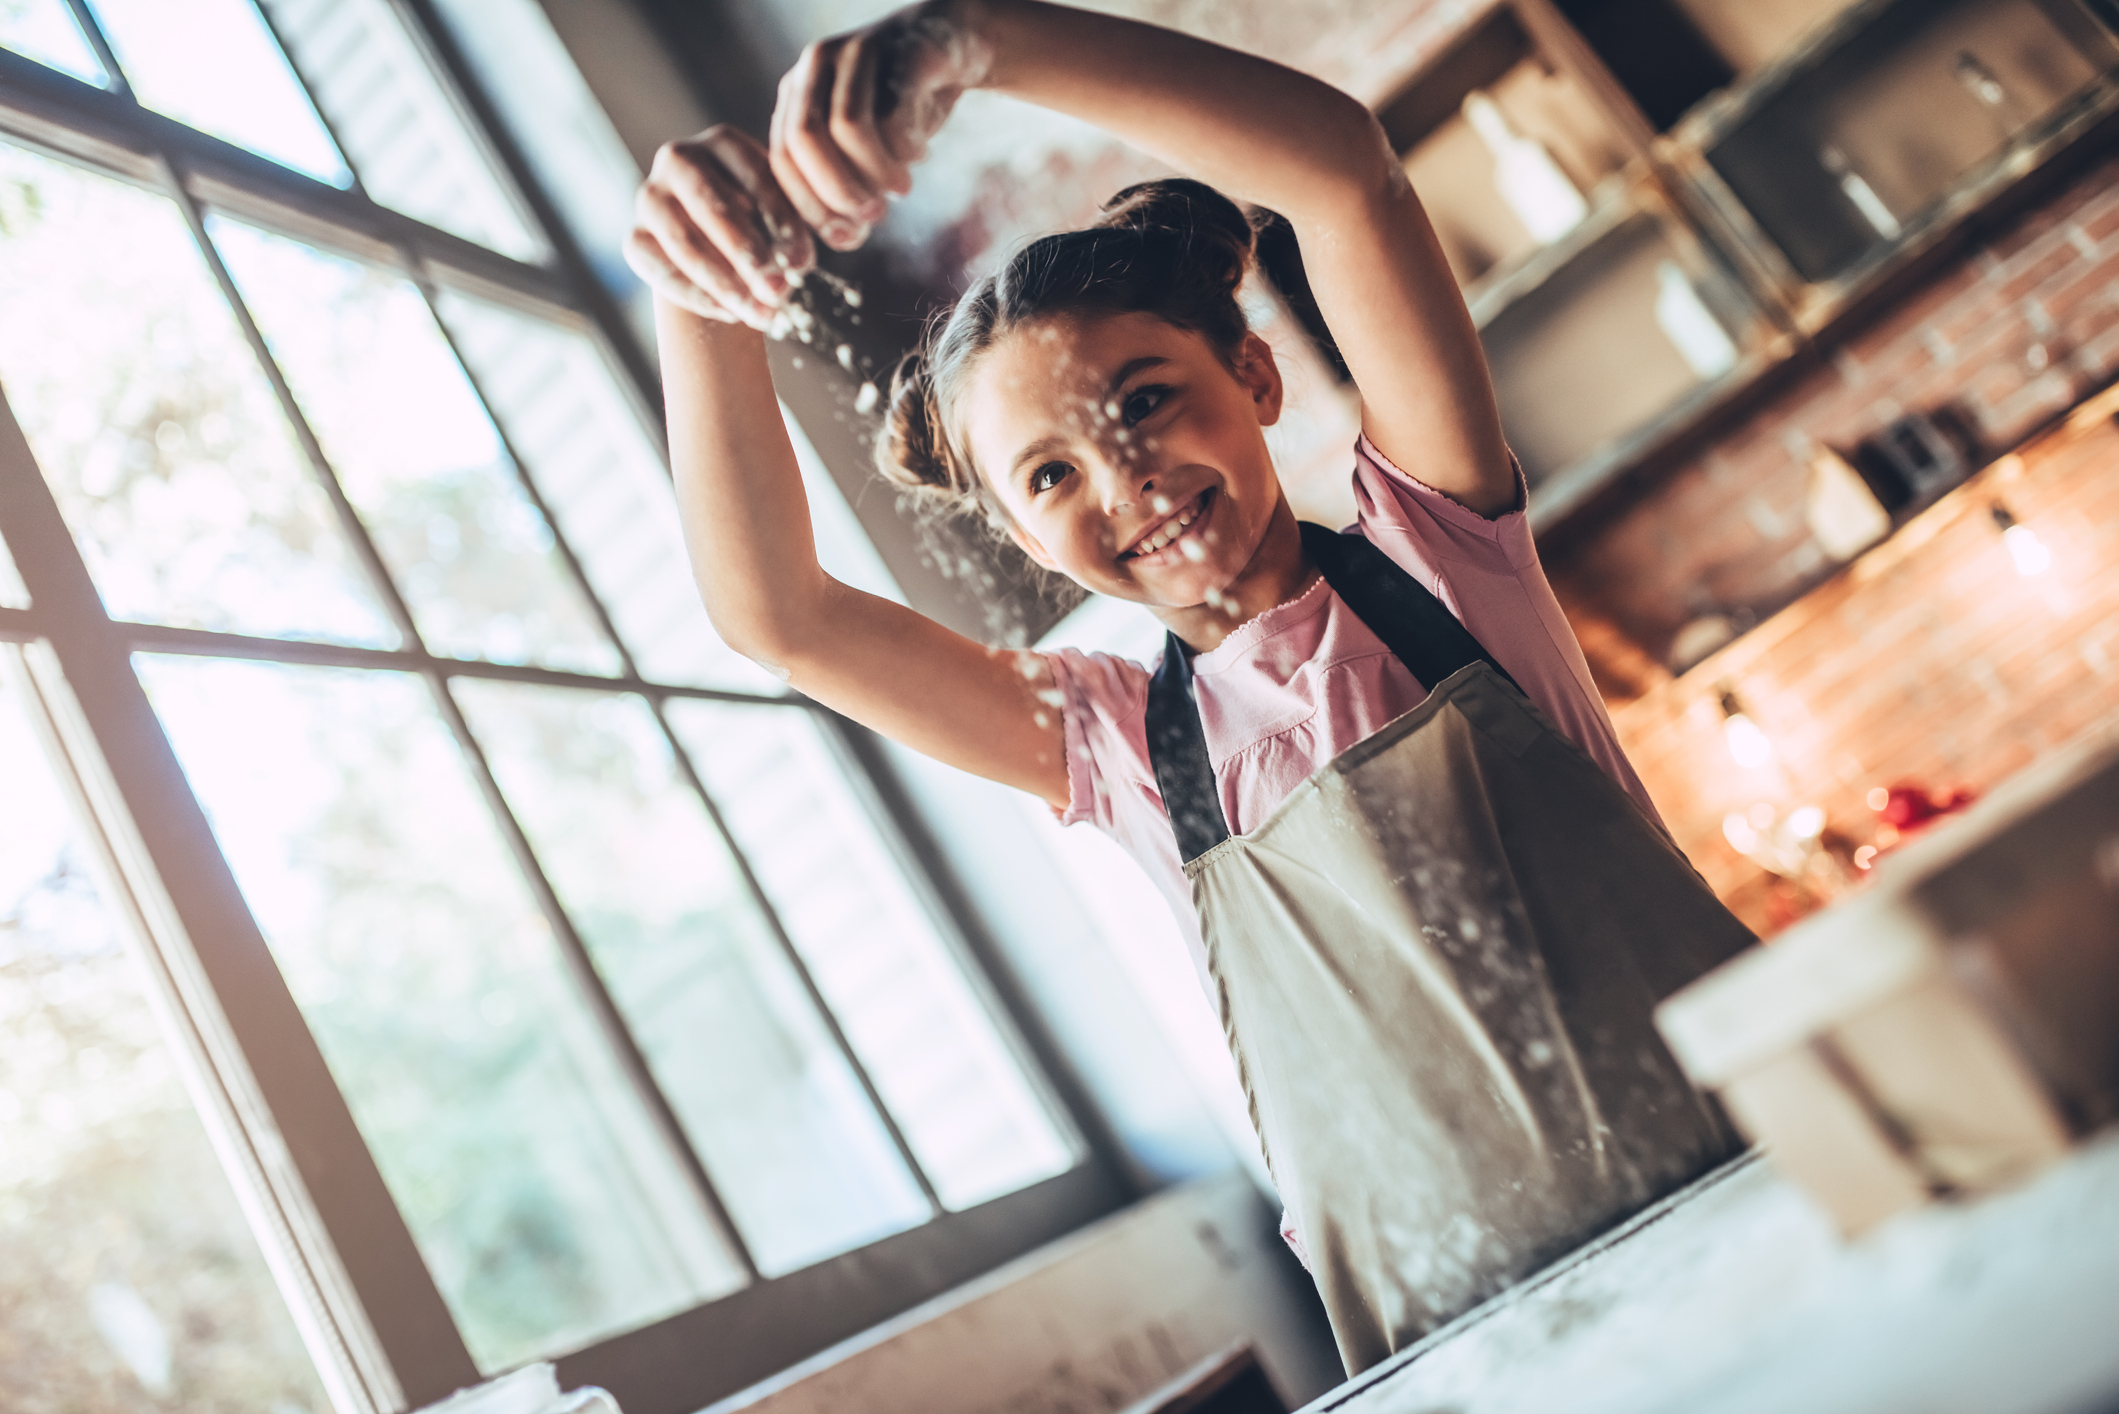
{"points": [[954, 1085], [777, 1115], [212, 64], [606, 485], [151, 419], [417, 454], [523, 67], [403, 132], [44, 30], [131, 1281], [546, 1203]]}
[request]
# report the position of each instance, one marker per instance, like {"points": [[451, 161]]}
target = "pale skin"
{"points": [[1121, 451]]}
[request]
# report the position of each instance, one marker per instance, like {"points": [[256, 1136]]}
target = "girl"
{"points": [[1434, 904]]}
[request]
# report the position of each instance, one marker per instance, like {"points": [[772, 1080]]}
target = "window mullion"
{"points": [[109, 132], [615, 334], [525, 480], [795, 960], [319, 653], [582, 968], [323, 119], [92, 31], [211, 643], [379, 1328], [349, 521]]}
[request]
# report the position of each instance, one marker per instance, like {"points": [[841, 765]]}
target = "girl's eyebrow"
{"points": [[1045, 446], [1042, 447], [1131, 367]]}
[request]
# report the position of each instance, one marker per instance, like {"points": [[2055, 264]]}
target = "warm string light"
{"points": [[1791, 845], [1748, 744], [2026, 550]]}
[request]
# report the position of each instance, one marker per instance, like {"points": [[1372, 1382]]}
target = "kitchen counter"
{"points": [[1736, 1297]]}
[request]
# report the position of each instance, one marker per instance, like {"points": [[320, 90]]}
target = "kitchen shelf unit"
{"points": [[1712, 143]]}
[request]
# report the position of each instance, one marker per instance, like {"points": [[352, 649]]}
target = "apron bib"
{"points": [[1436, 963]]}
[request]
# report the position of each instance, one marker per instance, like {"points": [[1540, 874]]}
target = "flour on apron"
{"points": [[1436, 963]]}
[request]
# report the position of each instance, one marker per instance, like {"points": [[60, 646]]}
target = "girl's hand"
{"points": [[713, 231], [856, 111]]}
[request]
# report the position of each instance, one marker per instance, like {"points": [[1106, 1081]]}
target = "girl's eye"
{"points": [[1141, 402], [1048, 476]]}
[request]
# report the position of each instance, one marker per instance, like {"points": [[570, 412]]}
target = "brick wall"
{"points": [[1929, 660], [2010, 335]]}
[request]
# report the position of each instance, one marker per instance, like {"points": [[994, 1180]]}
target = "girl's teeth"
{"points": [[1168, 533]]}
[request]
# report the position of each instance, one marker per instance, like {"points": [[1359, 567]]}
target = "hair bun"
{"points": [[910, 450], [1213, 232]]}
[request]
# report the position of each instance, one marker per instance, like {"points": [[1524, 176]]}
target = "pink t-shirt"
{"points": [[1293, 688]]}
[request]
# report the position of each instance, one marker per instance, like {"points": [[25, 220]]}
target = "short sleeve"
{"points": [[1103, 704], [1394, 502]]}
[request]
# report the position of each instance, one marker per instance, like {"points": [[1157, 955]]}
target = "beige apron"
{"points": [[1435, 963]]}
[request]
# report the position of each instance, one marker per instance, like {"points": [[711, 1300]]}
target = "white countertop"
{"points": [[1736, 1297]]}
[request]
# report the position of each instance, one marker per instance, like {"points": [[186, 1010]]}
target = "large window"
{"points": [[549, 979]]}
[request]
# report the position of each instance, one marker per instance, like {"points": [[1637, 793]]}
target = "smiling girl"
{"points": [[1432, 902]]}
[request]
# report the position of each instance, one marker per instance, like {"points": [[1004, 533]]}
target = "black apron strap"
{"points": [[1416, 626], [1177, 744]]}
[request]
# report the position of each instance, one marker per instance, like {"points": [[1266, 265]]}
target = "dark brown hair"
{"points": [[1176, 249]]}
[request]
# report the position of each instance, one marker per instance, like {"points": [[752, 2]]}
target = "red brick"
{"points": [[2084, 272], [1963, 322], [2039, 399], [1945, 668], [1912, 315], [2029, 230], [2099, 218], [2022, 277], [1901, 367]]}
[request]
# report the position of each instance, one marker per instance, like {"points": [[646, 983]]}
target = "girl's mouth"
{"points": [[1181, 534]]}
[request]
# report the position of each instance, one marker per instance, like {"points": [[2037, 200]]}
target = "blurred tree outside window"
{"points": [[131, 1280]]}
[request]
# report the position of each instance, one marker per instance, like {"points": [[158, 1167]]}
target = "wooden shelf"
{"points": [[1719, 139]]}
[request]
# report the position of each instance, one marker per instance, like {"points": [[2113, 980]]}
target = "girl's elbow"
{"points": [[1354, 135], [772, 646], [1356, 165], [774, 631]]}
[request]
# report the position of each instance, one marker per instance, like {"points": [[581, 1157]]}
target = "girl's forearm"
{"points": [[1253, 128], [746, 524], [739, 487]]}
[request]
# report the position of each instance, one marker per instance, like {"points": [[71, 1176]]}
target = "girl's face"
{"points": [[1129, 456]]}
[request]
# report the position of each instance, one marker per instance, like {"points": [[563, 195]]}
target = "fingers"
{"points": [[666, 221], [659, 273], [718, 206], [853, 115], [791, 249], [824, 184], [715, 233], [813, 212]]}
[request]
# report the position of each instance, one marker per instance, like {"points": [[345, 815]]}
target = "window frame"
{"points": [[374, 1321]]}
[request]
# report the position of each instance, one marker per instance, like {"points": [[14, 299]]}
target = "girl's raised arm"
{"points": [[719, 243], [859, 108]]}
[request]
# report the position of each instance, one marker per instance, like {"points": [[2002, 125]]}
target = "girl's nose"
{"points": [[1127, 481]]}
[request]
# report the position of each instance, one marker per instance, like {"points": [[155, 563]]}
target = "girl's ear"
{"points": [[1258, 372], [1030, 545]]}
